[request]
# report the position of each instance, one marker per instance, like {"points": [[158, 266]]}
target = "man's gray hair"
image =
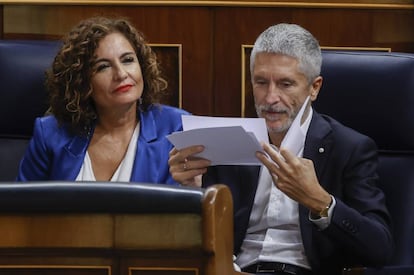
{"points": [[294, 41]]}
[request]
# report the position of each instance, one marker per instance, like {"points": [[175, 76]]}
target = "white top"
{"points": [[124, 170], [273, 232]]}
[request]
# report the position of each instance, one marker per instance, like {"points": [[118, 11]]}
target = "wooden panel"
{"points": [[211, 37], [164, 262], [332, 27], [247, 99], [186, 26], [73, 258], [244, 25], [1, 22], [56, 231], [164, 271], [53, 270], [386, 4], [160, 231], [170, 58], [139, 243]]}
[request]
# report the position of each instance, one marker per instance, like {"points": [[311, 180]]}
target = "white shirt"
{"points": [[273, 232], [124, 170]]}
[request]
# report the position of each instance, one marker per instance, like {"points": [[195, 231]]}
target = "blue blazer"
{"points": [[55, 154], [345, 163]]}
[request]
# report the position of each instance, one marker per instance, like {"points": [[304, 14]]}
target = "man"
{"points": [[313, 207]]}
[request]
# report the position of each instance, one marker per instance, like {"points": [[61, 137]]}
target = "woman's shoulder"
{"points": [[163, 117], [49, 126], [46, 122], [161, 111]]}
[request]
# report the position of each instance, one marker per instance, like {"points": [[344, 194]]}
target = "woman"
{"points": [[103, 123]]}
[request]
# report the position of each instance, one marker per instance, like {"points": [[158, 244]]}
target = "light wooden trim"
{"points": [[243, 78], [56, 230], [371, 49], [218, 229], [244, 73], [195, 270], [105, 267], [349, 5], [120, 231]]}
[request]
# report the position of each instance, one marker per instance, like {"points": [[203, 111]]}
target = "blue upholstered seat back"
{"points": [[99, 197], [22, 75], [373, 92], [22, 96]]}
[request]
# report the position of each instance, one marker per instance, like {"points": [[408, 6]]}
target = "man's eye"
{"points": [[285, 84], [260, 82]]}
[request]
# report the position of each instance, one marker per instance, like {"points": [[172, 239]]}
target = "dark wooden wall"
{"points": [[212, 36]]}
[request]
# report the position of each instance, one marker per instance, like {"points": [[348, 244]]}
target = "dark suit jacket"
{"points": [[345, 163], [55, 154]]}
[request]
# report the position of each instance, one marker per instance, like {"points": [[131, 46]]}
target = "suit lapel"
{"points": [[318, 143], [72, 157], [145, 170], [317, 148]]}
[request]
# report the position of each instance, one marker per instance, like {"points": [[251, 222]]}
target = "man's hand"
{"points": [[185, 168], [296, 177]]}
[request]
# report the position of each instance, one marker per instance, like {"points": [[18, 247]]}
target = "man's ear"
{"points": [[315, 88]]}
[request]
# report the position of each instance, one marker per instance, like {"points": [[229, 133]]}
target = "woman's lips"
{"points": [[123, 89]]}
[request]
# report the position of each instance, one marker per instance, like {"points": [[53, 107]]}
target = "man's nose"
{"points": [[272, 94]]}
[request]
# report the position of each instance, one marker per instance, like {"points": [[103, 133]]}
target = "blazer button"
{"points": [[349, 226]]}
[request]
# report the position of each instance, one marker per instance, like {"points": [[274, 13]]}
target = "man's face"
{"points": [[280, 89]]}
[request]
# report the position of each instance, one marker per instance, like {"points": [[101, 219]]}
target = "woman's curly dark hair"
{"points": [[68, 81]]}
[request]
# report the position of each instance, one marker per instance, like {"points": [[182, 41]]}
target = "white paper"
{"points": [[295, 138], [255, 125], [227, 141]]}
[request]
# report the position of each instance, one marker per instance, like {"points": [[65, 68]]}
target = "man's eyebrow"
{"points": [[288, 79]]}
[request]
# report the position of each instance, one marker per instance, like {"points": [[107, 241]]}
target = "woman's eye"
{"points": [[128, 59], [101, 67]]}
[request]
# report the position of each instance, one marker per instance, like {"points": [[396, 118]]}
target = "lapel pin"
{"points": [[321, 150]]}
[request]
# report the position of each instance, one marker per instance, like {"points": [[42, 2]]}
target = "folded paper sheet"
{"points": [[227, 141], [255, 125]]}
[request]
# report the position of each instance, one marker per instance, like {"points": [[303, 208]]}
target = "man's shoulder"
{"points": [[341, 131], [339, 127]]}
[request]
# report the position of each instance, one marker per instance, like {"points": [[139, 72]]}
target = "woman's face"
{"points": [[116, 74]]}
